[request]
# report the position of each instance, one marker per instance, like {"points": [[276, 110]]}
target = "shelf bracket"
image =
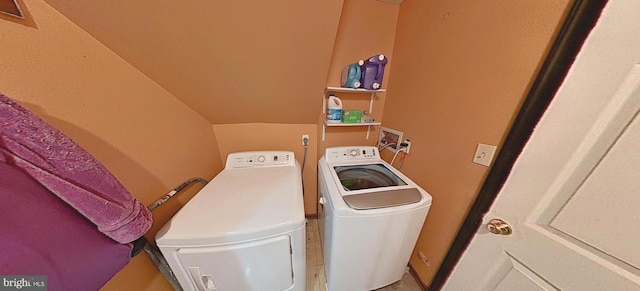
{"points": [[324, 128], [373, 96]]}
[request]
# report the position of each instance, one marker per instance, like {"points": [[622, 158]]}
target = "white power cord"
{"points": [[386, 146], [396, 155]]}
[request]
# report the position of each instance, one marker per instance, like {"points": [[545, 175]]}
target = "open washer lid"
{"points": [[239, 204], [374, 176], [365, 181]]}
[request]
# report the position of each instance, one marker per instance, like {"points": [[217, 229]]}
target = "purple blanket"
{"points": [[43, 236], [71, 173]]}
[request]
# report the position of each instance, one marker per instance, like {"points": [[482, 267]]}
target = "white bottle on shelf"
{"points": [[334, 109]]}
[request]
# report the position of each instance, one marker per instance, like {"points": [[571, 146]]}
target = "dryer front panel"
{"points": [[257, 265]]}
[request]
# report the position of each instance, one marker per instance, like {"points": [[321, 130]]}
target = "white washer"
{"points": [[245, 230], [371, 216]]}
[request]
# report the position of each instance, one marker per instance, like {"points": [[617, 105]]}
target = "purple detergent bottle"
{"points": [[373, 71]]}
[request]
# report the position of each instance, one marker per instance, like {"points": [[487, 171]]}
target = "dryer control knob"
{"points": [[353, 153], [261, 158]]}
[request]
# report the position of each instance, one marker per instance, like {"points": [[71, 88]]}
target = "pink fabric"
{"points": [[70, 172]]}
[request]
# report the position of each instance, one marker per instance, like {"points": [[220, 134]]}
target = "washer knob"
{"points": [[353, 153], [261, 158]]}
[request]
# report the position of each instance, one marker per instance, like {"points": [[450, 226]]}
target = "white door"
{"points": [[572, 198]]}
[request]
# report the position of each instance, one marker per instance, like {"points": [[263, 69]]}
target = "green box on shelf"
{"points": [[351, 116]]}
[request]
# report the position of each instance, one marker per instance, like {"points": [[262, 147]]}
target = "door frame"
{"points": [[580, 20]]}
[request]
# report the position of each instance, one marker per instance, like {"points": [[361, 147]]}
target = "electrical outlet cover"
{"points": [[390, 139], [484, 154]]}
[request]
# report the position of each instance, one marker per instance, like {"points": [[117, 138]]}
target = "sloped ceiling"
{"points": [[231, 61]]}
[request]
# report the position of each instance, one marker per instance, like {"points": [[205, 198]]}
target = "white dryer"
{"points": [[245, 230], [370, 218]]}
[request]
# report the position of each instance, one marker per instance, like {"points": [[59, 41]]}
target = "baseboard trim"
{"points": [[416, 277]]}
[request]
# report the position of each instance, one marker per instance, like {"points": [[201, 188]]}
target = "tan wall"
{"points": [[214, 55], [267, 136], [147, 138], [366, 28], [460, 71]]}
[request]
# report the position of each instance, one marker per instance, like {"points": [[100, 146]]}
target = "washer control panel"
{"points": [[351, 153], [260, 159]]}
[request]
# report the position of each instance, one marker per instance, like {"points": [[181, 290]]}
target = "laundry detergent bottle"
{"points": [[373, 71], [334, 109], [351, 75]]}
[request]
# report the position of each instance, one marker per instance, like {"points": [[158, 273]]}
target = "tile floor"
{"points": [[316, 278]]}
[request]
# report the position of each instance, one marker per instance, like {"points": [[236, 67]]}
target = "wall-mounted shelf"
{"points": [[349, 90], [331, 124]]}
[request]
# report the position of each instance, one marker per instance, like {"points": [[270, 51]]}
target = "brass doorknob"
{"points": [[499, 226]]}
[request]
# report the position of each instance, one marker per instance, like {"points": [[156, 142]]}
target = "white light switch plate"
{"points": [[484, 154]]}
